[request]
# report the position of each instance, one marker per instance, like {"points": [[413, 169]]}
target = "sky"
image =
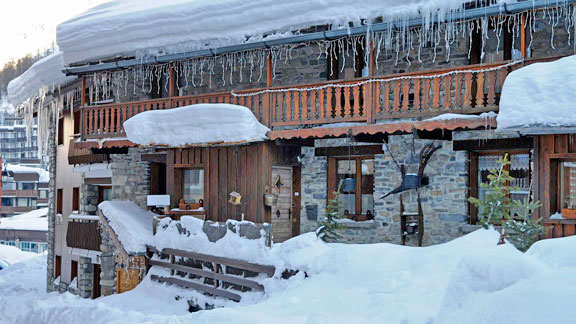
{"points": [[27, 26]]}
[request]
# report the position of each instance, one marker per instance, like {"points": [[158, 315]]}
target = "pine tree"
{"points": [[330, 227], [496, 209]]}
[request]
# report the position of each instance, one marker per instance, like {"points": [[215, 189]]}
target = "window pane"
{"points": [[568, 185], [367, 187], [193, 185], [520, 172], [485, 164], [346, 169]]}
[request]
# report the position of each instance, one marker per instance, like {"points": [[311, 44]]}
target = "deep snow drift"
{"points": [[540, 94], [468, 280], [195, 124]]}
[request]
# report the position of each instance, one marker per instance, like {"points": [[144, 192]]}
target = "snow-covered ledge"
{"points": [[202, 124]]}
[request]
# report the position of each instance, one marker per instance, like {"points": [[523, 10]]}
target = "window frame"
{"points": [[473, 168], [332, 183]]}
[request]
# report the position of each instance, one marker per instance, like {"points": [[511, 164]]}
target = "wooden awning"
{"points": [[80, 153], [387, 128]]}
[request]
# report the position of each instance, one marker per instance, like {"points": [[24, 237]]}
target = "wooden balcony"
{"points": [[16, 209], [20, 193], [83, 235], [464, 90]]}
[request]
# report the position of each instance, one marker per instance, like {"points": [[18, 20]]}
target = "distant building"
{"points": [[14, 148], [24, 188], [28, 231]]}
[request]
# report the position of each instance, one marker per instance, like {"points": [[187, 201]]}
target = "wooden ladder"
{"points": [[405, 216]]}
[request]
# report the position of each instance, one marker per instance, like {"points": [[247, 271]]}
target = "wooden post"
{"points": [[370, 100], [171, 80], [269, 70], [83, 92], [523, 48]]}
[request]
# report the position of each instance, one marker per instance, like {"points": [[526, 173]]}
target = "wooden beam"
{"points": [[493, 145], [198, 286], [269, 73], [171, 81], [154, 157], [523, 48], [209, 274], [83, 92], [343, 150]]}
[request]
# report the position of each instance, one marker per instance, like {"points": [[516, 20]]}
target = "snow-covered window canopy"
{"points": [[201, 124]]}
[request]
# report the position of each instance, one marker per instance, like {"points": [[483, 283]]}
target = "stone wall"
{"points": [[130, 176], [85, 277], [52, 153], [88, 199], [108, 264], [444, 201]]}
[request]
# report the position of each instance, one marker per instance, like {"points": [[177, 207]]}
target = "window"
{"points": [[192, 185], [7, 202], [59, 198], [356, 195], [57, 266], [482, 163], [77, 118], [76, 198], [497, 48], [104, 193], [73, 270], [61, 131], [354, 65]]}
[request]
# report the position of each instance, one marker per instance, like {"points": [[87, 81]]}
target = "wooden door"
{"points": [[282, 212], [96, 281]]}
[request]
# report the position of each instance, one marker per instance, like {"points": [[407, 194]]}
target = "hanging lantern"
{"points": [[349, 185], [235, 198]]}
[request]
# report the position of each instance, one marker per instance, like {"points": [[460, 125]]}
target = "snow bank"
{"points": [[35, 220], [47, 72], [188, 234], [132, 224], [195, 124], [451, 116], [150, 27], [10, 255], [540, 94], [43, 175]]}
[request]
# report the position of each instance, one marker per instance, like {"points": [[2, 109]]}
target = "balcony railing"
{"points": [[465, 90], [20, 193]]}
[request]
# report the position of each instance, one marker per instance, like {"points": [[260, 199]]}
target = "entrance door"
{"points": [[282, 214]]}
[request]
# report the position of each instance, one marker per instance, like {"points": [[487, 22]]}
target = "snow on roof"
{"points": [[10, 255], [151, 27], [540, 95], [47, 72], [132, 224], [195, 124], [43, 175], [35, 220]]}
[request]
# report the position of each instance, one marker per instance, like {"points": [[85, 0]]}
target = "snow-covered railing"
{"points": [[465, 90]]}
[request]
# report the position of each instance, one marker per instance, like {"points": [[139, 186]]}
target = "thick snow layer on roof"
{"points": [[195, 124], [151, 27], [45, 73], [540, 95], [132, 224], [35, 220], [44, 176]]}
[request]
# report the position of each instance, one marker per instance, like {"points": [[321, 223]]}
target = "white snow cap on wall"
{"points": [[45, 73], [540, 95], [152, 27], [195, 124], [132, 224]]}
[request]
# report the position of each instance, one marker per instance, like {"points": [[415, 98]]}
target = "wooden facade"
{"points": [[549, 152], [246, 169]]}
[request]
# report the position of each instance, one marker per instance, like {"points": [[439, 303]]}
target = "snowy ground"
{"points": [[468, 280]]}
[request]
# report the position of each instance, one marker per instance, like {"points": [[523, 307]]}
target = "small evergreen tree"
{"points": [[329, 227], [496, 208]]}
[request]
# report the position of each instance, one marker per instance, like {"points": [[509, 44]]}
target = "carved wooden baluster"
{"points": [[425, 94], [457, 90], [281, 113], [491, 79], [107, 112], [85, 116], [447, 91], [436, 93], [405, 94], [329, 109], [313, 108], [356, 107], [376, 96], [416, 94], [304, 95], [396, 92], [289, 106], [468, 91], [338, 98], [480, 89], [347, 107], [386, 98], [296, 100], [101, 119], [124, 116]]}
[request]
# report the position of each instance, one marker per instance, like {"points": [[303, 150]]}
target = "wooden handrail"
{"points": [[402, 95]]}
